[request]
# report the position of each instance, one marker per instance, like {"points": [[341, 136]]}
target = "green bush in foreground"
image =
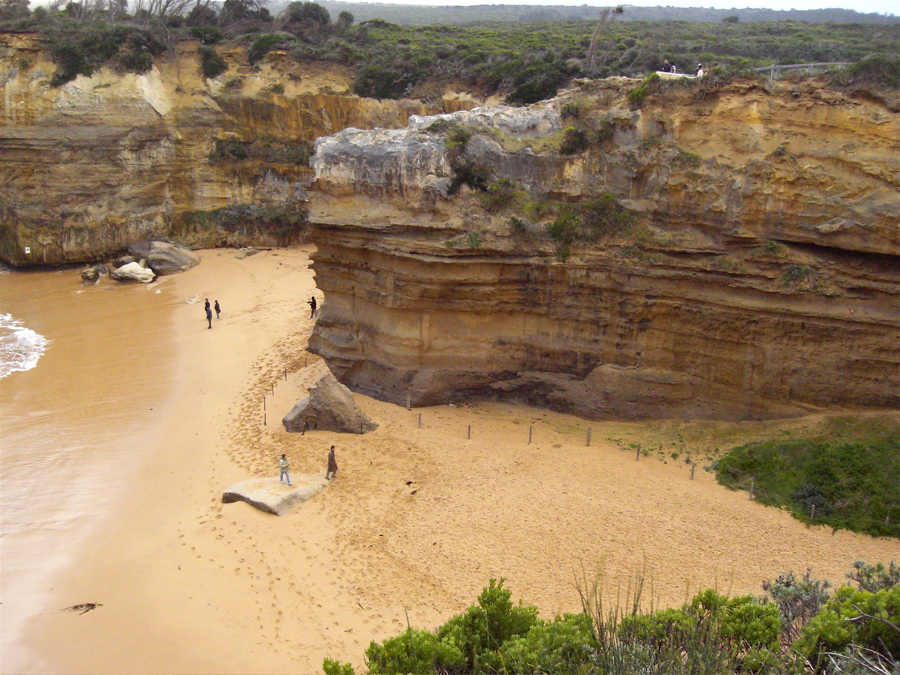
{"points": [[802, 631], [854, 617]]}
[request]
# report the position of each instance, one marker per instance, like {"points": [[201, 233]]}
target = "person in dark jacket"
{"points": [[312, 307], [332, 465], [218, 310]]}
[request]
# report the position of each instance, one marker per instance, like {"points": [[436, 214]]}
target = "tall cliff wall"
{"points": [[760, 276], [103, 161]]}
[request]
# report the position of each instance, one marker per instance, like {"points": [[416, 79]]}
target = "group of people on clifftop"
{"points": [[670, 68]]}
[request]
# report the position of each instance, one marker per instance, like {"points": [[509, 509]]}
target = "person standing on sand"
{"points": [[331, 473], [218, 310], [284, 465], [312, 307], [208, 314]]}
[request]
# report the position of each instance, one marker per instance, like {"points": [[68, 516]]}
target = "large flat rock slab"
{"points": [[268, 495]]}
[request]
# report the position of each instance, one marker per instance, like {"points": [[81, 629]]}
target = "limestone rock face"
{"points": [[759, 277], [104, 161], [133, 272], [329, 407], [271, 496]]}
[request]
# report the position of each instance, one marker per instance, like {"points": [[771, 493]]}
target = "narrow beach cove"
{"points": [[188, 584]]}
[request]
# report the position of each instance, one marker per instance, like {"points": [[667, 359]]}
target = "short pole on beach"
{"points": [[751, 490], [530, 429], [469, 432], [588, 442], [407, 401], [812, 513], [693, 466], [420, 420], [264, 403], [265, 423], [637, 453], [285, 374]]}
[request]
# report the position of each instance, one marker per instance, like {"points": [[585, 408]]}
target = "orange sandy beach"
{"points": [[187, 584]]}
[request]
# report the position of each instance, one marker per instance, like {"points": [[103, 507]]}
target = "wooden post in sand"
{"points": [[407, 401], [812, 513], [469, 432], [693, 466], [751, 490], [637, 454], [265, 423], [530, 429], [588, 443], [420, 420], [264, 404]]}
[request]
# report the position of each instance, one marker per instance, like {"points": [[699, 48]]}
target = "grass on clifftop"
{"points": [[846, 483]]}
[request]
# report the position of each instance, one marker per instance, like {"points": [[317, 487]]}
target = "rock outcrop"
{"points": [[133, 272], [329, 407], [271, 496], [164, 256], [757, 273]]}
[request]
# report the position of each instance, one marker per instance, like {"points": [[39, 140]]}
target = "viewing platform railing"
{"points": [[810, 68]]}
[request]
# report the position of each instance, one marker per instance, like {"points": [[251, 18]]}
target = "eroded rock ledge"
{"points": [[762, 277]]}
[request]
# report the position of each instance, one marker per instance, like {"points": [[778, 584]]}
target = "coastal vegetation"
{"points": [[843, 483], [524, 61], [797, 626]]}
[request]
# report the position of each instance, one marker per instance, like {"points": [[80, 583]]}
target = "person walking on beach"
{"points": [[284, 465], [331, 473], [218, 310], [312, 307], [208, 314]]}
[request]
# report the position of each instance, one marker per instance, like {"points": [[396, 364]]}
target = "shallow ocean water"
{"points": [[89, 368]]}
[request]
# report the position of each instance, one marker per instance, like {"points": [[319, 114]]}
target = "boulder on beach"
{"points": [[329, 407], [91, 275], [164, 256], [271, 496], [133, 272]]}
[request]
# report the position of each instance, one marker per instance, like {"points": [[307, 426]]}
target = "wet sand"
{"points": [[188, 584]]}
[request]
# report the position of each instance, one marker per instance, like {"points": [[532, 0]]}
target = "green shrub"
{"points": [[854, 617], [498, 195], [798, 600], [874, 578], [575, 140], [481, 630], [877, 70], [333, 667], [559, 646], [415, 651], [637, 95], [207, 34], [83, 48], [386, 81], [211, 63], [262, 46], [851, 483]]}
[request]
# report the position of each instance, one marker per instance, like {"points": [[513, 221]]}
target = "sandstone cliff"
{"points": [[760, 275], [104, 161]]}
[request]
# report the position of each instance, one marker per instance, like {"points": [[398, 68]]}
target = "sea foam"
{"points": [[20, 348]]}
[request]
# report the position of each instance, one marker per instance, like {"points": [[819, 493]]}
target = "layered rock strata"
{"points": [[103, 161], [759, 278]]}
